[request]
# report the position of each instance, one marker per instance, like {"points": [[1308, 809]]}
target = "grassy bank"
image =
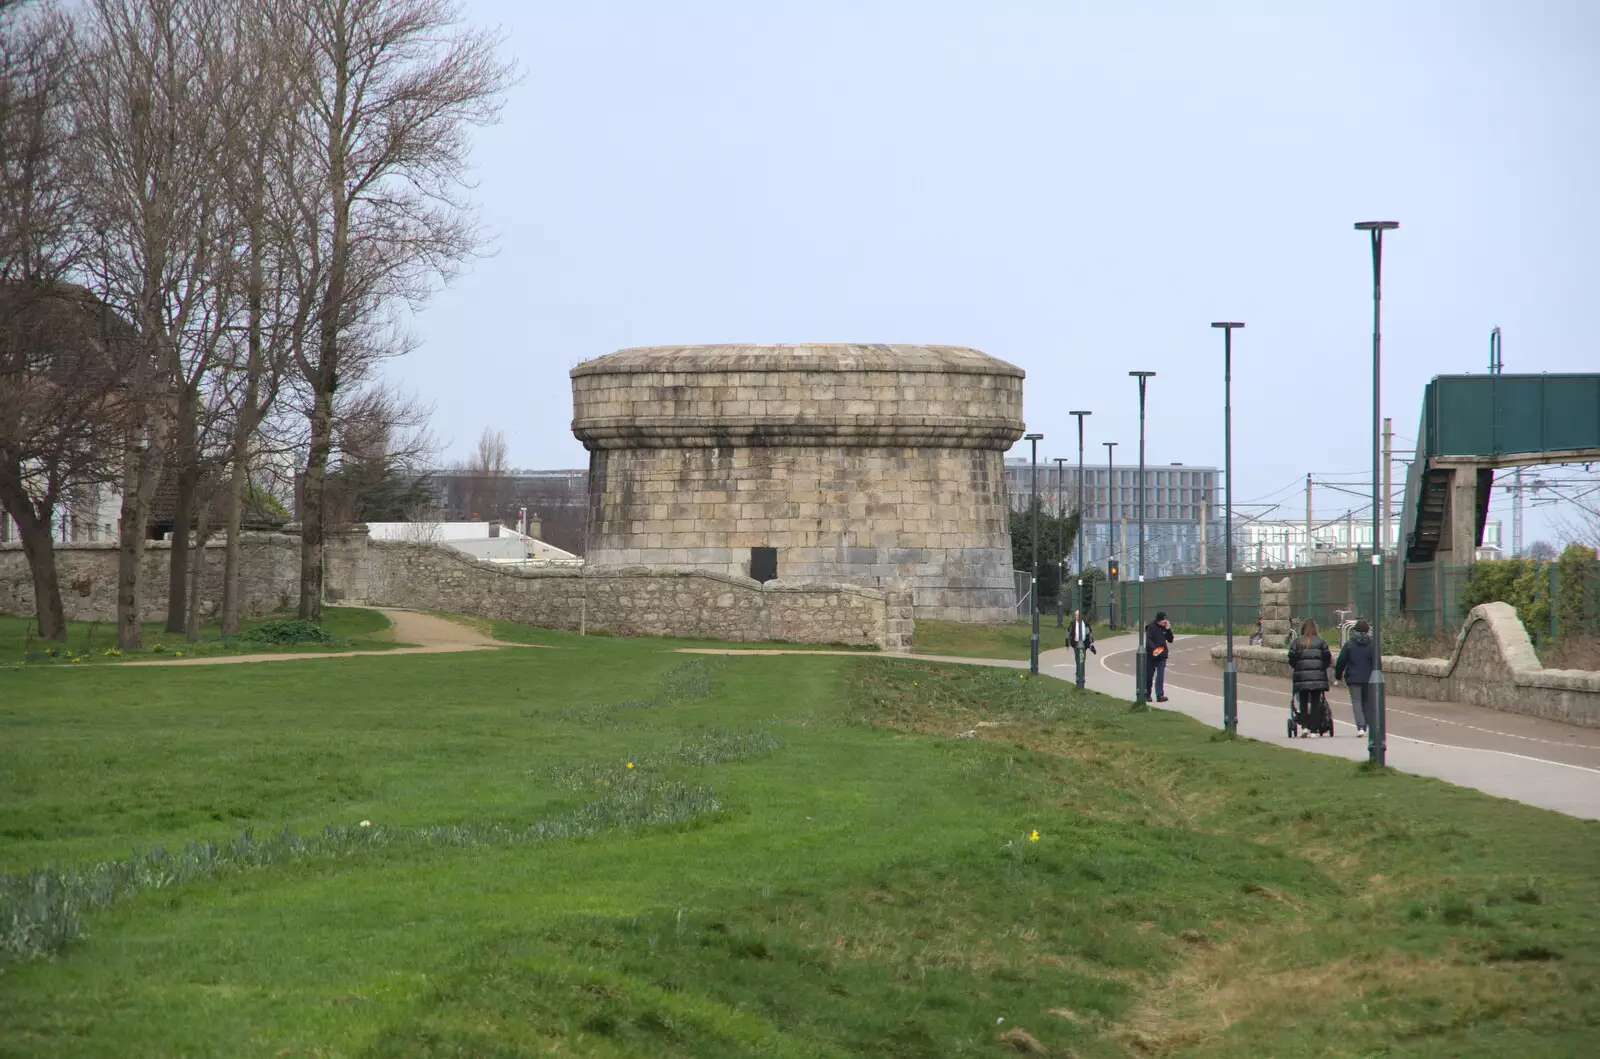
{"points": [[1010, 641], [347, 629], [615, 850]]}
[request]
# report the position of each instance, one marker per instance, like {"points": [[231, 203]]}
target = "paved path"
{"points": [[1528, 759]]}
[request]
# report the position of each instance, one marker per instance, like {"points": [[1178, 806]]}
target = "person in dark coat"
{"points": [[1310, 658], [1157, 641], [1354, 667], [1080, 637]]}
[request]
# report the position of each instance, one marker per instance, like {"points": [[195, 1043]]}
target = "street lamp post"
{"points": [[1377, 741], [1111, 531], [1230, 675], [1142, 664], [1080, 416], [1061, 537], [1033, 574]]}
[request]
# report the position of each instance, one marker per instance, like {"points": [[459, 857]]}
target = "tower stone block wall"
{"points": [[866, 465]]}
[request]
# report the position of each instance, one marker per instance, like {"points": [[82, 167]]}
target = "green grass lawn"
{"points": [[802, 860], [990, 641], [352, 629]]}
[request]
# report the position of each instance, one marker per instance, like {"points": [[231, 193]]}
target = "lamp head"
{"points": [[1080, 413], [1227, 325], [1142, 374], [1033, 437], [1376, 226]]}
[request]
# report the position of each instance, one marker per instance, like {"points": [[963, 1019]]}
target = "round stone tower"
{"points": [[856, 463]]}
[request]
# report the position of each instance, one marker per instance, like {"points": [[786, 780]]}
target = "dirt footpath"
{"points": [[432, 635]]}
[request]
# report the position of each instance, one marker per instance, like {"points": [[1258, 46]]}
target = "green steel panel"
{"points": [[1494, 415], [1522, 413], [1572, 413], [1464, 419]]}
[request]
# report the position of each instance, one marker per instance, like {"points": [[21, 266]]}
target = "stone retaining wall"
{"points": [[269, 577], [1493, 664], [624, 601]]}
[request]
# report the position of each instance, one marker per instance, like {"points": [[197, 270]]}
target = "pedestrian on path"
{"points": [[1354, 667], [1081, 639], [1310, 658], [1157, 637]]}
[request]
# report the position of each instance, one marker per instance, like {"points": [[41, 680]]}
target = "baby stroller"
{"points": [[1315, 719]]}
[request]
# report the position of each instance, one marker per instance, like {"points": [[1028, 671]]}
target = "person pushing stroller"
{"points": [[1310, 658]]}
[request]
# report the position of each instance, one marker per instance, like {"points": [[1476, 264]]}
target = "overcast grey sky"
{"points": [[1076, 188]]}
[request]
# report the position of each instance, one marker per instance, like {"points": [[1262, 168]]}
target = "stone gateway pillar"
{"points": [[866, 464]]}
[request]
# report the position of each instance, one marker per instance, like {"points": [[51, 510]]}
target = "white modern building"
{"points": [[1279, 544], [489, 541]]}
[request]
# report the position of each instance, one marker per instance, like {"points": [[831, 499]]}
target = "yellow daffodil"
{"points": [[630, 764], [1033, 836]]}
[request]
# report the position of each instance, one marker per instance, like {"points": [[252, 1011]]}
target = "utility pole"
{"points": [[1033, 574], [1350, 532], [1310, 548], [1377, 739], [1111, 531], [1516, 517], [1388, 496], [1061, 533], [1081, 527]]}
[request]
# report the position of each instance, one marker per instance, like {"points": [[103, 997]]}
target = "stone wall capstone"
{"points": [[1493, 664], [269, 577]]}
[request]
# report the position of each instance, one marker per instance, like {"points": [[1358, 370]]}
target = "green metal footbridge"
{"points": [[1472, 426]]}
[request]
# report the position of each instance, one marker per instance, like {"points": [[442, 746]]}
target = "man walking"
{"points": [[1081, 639], [1354, 667], [1157, 637]]}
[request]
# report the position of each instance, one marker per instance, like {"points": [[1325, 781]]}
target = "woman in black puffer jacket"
{"points": [[1310, 658]]}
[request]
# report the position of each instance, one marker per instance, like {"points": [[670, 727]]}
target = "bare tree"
{"points": [[485, 484], [152, 116], [391, 90], [59, 346], [62, 352]]}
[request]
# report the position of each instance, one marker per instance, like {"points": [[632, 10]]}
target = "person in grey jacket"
{"points": [[1354, 667]]}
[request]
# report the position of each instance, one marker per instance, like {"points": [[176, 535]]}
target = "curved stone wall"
{"points": [[863, 464]]}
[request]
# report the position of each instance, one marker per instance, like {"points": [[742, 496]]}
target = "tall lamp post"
{"points": [[1061, 536], [1142, 664], [1230, 675], [1033, 574], [1377, 742], [1111, 530], [1080, 416]]}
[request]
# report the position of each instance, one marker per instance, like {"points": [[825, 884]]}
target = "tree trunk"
{"points": [[311, 506], [244, 424], [138, 486], [197, 575], [183, 448], [230, 549], [33, 527]]}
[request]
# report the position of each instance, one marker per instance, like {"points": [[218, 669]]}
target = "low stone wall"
{"points": [[269, 577], [627, 601], [1493, 664]]}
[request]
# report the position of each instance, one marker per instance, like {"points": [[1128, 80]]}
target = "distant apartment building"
{"points": [[1182, 518]]}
